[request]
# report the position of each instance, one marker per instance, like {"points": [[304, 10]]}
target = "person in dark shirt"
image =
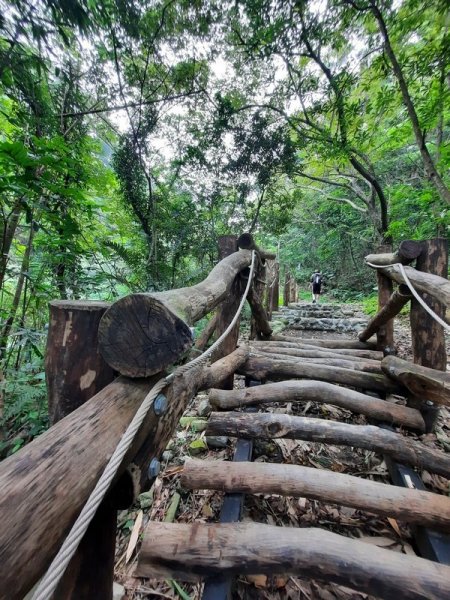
{"points": [[316, 285]]}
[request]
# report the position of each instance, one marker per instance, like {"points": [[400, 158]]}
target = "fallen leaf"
{"points": [[134, 536], [393, 523], [259, 581]]}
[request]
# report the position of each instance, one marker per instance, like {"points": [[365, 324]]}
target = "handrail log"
{"points": [[408, 251], [436, 286], [142, 334], [45, 484]]}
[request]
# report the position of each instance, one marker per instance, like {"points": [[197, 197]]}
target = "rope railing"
{"points": [[59, 564], [429, 310]]}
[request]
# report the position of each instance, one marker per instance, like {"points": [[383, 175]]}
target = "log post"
{"points": [[270, 274], [287, 287], [394, 305], [75, 372], [276, 286], [260, 322], [385, 333], [428, 340], [228, 308]]}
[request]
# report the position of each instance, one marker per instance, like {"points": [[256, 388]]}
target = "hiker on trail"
{"points": [[316, 285]]}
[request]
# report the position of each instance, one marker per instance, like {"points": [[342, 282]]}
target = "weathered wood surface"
{"points": [[190, 551], [385, 333], [318, 391], [294, 346], [202, 341], [271, 425], [409, 505], [76, 368], [408, 251], [366, 366], [228, 308], [141, 334], [422, 382], [246, 242], [394, 305], [325, 343], [260, 321], [287, 288], [428, 339], [44, 485], [435, 286], [262, 368], [75, 371]]}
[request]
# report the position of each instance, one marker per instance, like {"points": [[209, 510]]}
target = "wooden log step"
{"points": [[191, 551], [262, 368], [318, 391], [297, 345], [367, 366], [424, 383], [327, 324], [383, 441], [409, 505], [326, 343]]}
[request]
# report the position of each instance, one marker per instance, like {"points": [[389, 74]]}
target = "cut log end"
{"points": [[139, 336]]}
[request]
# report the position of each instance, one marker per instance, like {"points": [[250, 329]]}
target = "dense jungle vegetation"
{"points": [[134, 132]]}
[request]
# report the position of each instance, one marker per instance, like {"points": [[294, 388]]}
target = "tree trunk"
{"points": [[45, 484], [270, 426], [427, 160], [422, 382], [142, 334], [260, 321], [6, 329], [394, 305], [428, 340], [324, 393], [262, 368], [287, 288], [186, 551], [409, 505], [9, 227]]}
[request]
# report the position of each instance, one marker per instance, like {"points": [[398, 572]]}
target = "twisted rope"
{"points": [[429, 310], [59, 564]]}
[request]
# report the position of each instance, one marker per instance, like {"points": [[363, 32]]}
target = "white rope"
{"points": [[429, 310], [59, 564]]}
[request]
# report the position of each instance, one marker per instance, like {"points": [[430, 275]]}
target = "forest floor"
{"points": [[204, 506]]}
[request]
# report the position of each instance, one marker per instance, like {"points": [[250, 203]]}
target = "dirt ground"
{"points": [[204, 506]]}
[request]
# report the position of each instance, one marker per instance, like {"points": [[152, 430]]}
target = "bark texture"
{"points": [[318, 391], [268, 426], [189, 551]]}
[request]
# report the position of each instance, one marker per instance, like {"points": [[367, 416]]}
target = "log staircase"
{"points": [[295, 370]]}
